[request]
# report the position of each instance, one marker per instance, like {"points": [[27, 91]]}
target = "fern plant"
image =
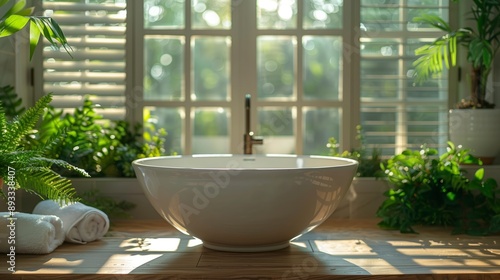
{"points": [[11, 102], [102, 148], [28, 169]]}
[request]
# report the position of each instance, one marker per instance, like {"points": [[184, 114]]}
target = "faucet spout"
{"points": [[249, 139]]}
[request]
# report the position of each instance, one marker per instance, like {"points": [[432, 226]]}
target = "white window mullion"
{"points": [[243, 70], [402, 125], [298, 112], [351, 73], [187, 136], [134, 47]]}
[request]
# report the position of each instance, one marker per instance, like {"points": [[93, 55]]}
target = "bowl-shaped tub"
{"points": [[245, 203]]}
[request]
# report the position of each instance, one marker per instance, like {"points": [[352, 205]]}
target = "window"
{"points": [[96, 30], [286, 54], [395, 113], [314, 69]]}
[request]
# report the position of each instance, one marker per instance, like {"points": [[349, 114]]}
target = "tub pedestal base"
{"points": [[246, 249]]}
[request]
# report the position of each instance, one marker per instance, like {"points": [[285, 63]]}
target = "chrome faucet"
{"points": [[249, 139]]}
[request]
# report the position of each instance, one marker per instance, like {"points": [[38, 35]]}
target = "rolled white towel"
{"points": [[81, 223], [29, 233]]}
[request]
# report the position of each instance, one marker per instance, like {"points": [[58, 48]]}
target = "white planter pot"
{"points": [[476, 130], [363, 199]]}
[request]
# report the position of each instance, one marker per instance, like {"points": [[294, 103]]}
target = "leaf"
{"points": [[17, 17], [34, 38], [432, 57], [21, 126], [12, 25], [26, 12], [64, 164], [479, 175], [46, 183], [18, 6], [53, 33]]}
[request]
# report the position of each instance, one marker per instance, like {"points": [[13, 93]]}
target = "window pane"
{"points": [[322, 67], [210, 131], [384, 47], [427, 125], [381, 15], [397, 15], [383, 77], [164, 14], [321, 14], [426, 7], [276, 125], [275, 67], [211, 68], [211, 14], [379, 78], [276, 14], [319, 125], [379, 128], [163, 68], [171, 119]]}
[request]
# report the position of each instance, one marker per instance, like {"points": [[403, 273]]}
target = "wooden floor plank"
{"points": [[339, 249]]}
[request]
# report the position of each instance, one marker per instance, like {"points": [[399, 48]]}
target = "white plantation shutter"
{"points": [[395, 113], [96, 31]]}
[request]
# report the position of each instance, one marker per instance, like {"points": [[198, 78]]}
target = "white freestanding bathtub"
{"points": [[245, 203]]}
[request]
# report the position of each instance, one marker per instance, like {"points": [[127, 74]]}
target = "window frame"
{"points": [[243, 41], [350, 101]]}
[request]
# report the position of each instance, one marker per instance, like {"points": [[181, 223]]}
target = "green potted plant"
{"points": [[22, 168], [365, 193], [37, 157], [29, 169], [105, 149], [481, 41], [434, 190]]}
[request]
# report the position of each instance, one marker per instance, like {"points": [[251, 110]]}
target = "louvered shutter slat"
{"points": [[96, 33]]}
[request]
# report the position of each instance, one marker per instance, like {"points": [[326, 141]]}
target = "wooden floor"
{"points": [[339, 249]]}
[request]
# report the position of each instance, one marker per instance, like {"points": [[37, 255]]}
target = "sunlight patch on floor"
{"points": [[151, 244], [126, 263], [340, 247]]}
